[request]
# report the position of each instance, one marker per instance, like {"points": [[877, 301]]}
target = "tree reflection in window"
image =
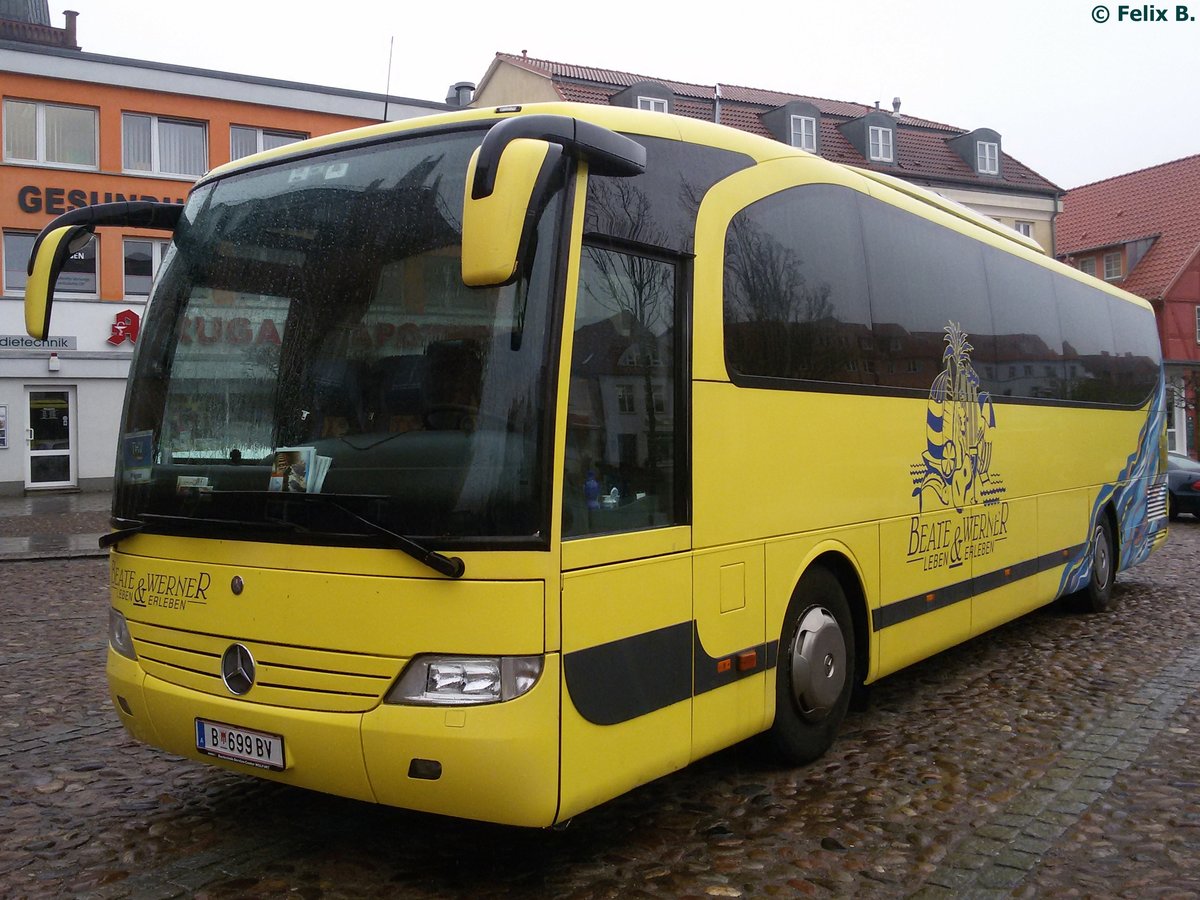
{"points": [[621, 419]]}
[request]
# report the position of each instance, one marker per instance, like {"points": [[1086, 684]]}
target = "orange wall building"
{"points": [[80, 128]]}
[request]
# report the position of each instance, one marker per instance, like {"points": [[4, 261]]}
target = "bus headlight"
{"points": [[118, 634], [465, 680]]}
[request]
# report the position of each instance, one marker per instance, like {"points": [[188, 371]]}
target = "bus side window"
{"points": [[621, 419]]}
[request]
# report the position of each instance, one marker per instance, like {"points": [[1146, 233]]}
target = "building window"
{"points": [[50, 134], [17, 247], [1112, 266], [804, 133], [1198, 324], [987, 156], [625, 401], [881, 143], [164, 146], [244, 140], [142, 259], [78, 274], [653, 104], [658, 398], [1025, 228], [1087, 265]]}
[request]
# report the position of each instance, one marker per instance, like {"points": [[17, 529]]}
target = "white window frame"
{"points": [[1087, 265], [158, 250], [13, 291], [652, 104], [40, 135], [1112, 266], [804, 133], [155, 156], [987, 157], [1023, 227], [1198, 324], [881, 143], [260, 134]]}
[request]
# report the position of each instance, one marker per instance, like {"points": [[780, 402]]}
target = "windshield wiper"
{"points": [[115, 537], [450, 566], [134, 526]]}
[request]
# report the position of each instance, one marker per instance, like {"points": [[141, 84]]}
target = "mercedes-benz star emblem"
{"points": [[237, 669]]}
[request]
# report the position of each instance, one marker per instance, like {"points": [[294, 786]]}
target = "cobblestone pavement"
{"points": [[1054, 757]]}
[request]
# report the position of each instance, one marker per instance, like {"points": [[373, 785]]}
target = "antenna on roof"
{"points": [[387, 89]]}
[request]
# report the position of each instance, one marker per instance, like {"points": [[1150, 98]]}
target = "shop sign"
{"points": [[25, 342], [56, 200], [125, 327]]}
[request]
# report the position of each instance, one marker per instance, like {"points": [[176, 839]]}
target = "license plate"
{"points": [[244, 745]]}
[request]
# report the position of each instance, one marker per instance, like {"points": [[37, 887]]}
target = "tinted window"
{"points": [[1126, 370], [622, 417], [659, 207], [923, 277], [800, 266], [795, 288], [1028, 345], [1088, 348]]}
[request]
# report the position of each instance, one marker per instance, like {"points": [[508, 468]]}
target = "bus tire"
{"points": [[815, 671], [1098, 595]]}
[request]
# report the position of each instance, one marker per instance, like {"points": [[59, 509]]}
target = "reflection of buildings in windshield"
{"points": [[437, 389]]}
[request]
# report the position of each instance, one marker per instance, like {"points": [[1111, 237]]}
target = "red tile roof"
{"points": [[1162, 200], [923, 151]]}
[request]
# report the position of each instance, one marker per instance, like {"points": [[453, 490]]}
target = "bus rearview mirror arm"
{"points": [[606, 152], [68, 234]]}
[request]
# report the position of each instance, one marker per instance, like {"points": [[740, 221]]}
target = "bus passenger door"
{"points": [[627, 628]]}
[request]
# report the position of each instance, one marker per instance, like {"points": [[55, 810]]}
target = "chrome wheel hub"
{"points": [[818, 663]]}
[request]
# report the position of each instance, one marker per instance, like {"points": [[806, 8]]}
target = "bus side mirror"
{"points": [[497, 226], [510, 178], [49, 257]]}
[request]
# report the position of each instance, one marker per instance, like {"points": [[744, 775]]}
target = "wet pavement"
{"points": [[53, 525], [1053, 757]]}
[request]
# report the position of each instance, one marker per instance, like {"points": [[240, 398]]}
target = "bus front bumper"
{"points": [[496, 763]]}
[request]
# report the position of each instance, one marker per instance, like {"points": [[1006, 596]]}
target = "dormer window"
{"points": [[881, 144], [647, 95], [796, 123], [987, 155], [1087, 265], [804, 133], [1112, 266], [980, 149]]}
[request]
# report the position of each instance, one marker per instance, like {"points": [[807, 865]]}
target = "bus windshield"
{"points": [[312, 367]]}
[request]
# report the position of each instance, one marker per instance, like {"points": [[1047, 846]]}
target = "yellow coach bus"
{"points": [[495, 463]]}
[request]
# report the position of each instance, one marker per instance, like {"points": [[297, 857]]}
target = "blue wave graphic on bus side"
{"points": [[1129, 493]]}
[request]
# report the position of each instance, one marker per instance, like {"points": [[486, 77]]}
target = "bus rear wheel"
{"points": [[1098, 595], [815, 672]]}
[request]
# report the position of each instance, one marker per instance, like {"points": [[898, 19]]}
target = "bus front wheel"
{"points": [[815, 672]]}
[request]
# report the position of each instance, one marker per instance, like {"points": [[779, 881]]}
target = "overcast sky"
{"points": [[1076, 100]]}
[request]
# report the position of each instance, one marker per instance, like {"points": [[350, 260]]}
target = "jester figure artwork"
{"points": [[955, 466]]}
